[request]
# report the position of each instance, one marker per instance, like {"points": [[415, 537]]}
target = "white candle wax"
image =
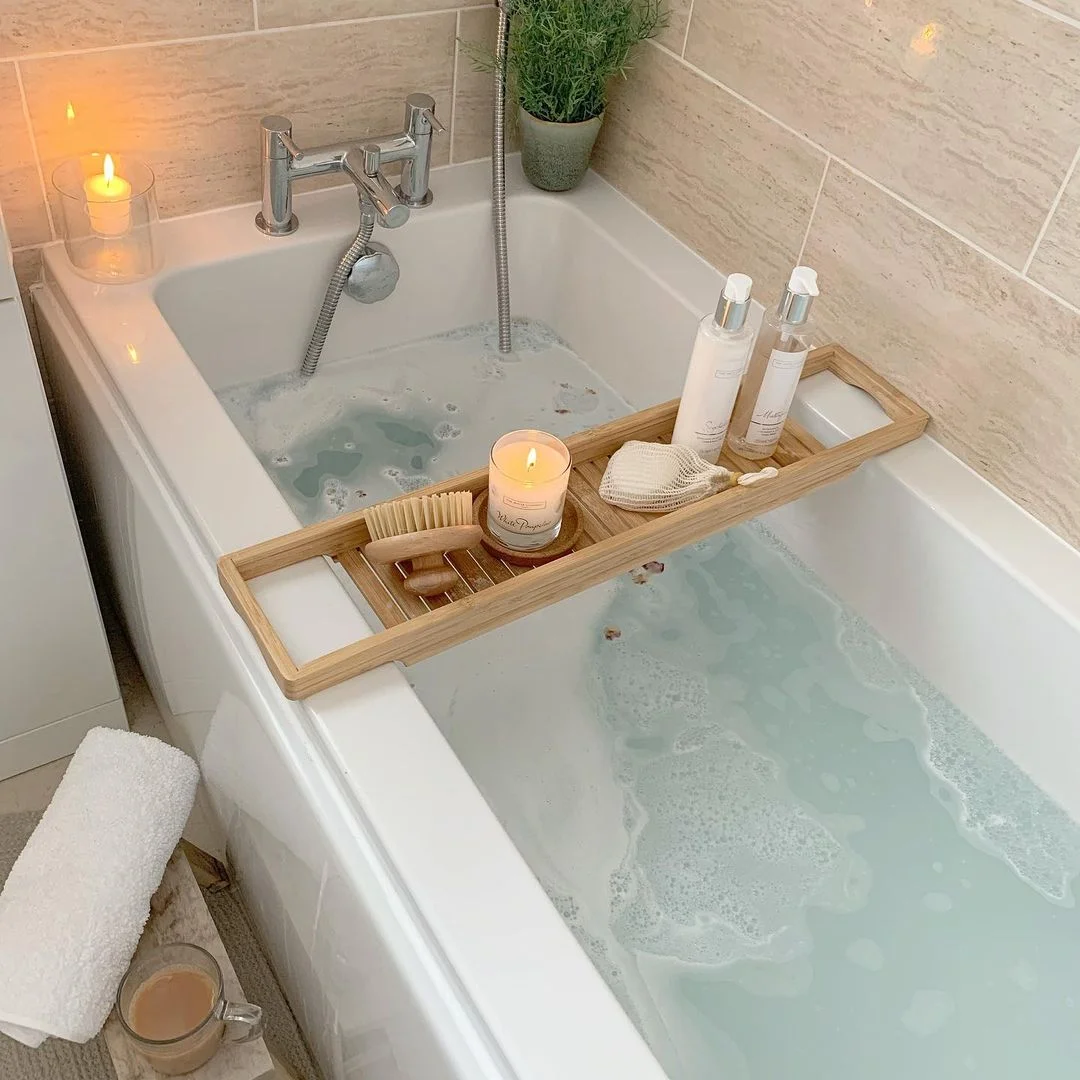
{"points": [[108, 201], [527, 481]]}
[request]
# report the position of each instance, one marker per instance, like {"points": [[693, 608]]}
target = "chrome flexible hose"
{"points": [[338, 278], [498, 180]]}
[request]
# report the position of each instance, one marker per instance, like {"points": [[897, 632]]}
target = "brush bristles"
{"points": [[419, 514]]}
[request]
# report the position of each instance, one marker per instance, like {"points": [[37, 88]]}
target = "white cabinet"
{"points": [[56, 675]]}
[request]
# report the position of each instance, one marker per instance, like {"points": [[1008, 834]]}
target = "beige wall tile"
{"points": [[974, 120], [33, 26], [475, 91], [674, 34], [1057, 262], [991, 358], [192, 111], [730, 183], [1066, 7], [20, 185], [297, 12]]}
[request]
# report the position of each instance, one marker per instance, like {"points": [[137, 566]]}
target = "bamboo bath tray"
{"points": [[490, 592]]}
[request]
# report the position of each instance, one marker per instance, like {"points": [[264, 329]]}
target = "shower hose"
{"points": [[338, 278], [359, 246], [498, 179]]}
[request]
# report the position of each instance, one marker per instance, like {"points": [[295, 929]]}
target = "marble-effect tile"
{"points": [[968, 110], [192, 110], [299, 12], [474, 93], [1057, 260], [673, 36], [726, 180], [33, 26], [993, 360], [20, 187]]}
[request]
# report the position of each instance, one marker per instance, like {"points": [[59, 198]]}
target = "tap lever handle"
{"points": [[377, 190], [420, 116], [433, 120], [287, 141]]}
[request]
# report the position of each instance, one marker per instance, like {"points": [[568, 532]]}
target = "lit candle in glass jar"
{"points": [[527, 481], [108, 201]]}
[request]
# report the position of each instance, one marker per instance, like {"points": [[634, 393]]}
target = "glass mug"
{"points": [[172, 1008]]}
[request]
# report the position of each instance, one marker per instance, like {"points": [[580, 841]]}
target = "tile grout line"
{"points": [[453, 85], [996, 259], [1067, 304], [1051, 13], [229, 35], [1053, 210], [739, 97], [813, 210], [34, 149], [686, 36]]}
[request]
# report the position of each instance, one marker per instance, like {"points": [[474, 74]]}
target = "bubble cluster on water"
{"points": [[428, 409], [640, 688], [726, 860]]}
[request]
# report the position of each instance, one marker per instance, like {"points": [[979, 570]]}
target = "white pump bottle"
{"points": [[774, 371], [719, 358]]}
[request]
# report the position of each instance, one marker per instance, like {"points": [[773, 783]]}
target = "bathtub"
{"points": [[411, 937]]}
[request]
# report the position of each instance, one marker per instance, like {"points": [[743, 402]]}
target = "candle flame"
{"points": [[109, 170], [70, 112], [133, 353], [530, 460]]}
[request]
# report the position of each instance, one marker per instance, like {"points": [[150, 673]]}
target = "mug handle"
{"points": [[249, 1016]]}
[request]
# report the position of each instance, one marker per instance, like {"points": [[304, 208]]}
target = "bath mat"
{"points": [[57, 1060]]}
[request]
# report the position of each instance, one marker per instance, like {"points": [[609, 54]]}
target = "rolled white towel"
{"points": [[77, 898]]}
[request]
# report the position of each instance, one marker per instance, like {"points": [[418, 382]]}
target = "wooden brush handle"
{"points": [[430, 576], [431, 541]]}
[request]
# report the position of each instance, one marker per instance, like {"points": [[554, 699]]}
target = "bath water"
{"points": [[788, 855]]}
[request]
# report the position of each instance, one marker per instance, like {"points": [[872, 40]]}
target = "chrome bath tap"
{"points": [[283, 162]]}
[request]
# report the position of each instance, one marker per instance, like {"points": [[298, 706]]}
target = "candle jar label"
{"points": [[522, 504]]}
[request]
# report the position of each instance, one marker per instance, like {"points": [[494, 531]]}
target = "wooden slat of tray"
{"points": [[490, 592]]}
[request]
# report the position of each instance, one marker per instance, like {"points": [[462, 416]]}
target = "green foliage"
{"points": [[563, 53]]}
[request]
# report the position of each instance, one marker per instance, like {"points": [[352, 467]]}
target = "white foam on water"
{"points": [[866, 954], [928, 1012], [937, 901]]}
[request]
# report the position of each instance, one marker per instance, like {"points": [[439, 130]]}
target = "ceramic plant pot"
{"points": [[556, 156]]}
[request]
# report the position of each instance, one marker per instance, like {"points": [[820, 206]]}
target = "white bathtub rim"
{"points": [[1001, 529]]}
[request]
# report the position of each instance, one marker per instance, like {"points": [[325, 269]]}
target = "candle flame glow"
{"points": [[530, 460], [70, 112], [109, 169], [924, 42]]}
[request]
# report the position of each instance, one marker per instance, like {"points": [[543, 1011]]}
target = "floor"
{"points": [[34, 789]]}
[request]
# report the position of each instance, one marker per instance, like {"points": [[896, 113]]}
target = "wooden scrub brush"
{"points": [[421, 530]]}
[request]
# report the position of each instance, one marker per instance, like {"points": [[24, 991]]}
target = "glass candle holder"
{"points": [[109, 217], [527, 479]]}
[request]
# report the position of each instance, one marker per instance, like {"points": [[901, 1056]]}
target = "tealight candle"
{"points": [[527, 481], [108, 201]]}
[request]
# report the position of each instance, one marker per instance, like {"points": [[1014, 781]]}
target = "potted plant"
{"points": [[562, 55]]}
